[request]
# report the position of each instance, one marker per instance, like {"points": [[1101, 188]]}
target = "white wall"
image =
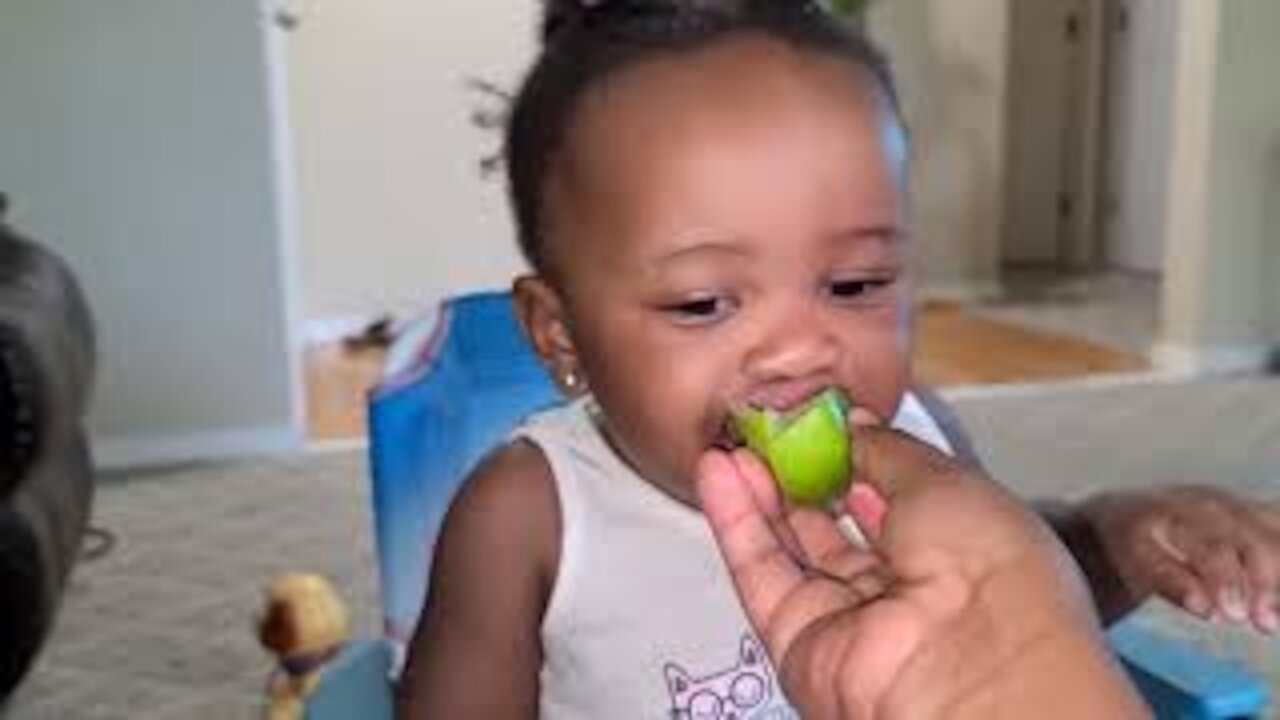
{"points": [[950, 58], [1243, 230], [1222, 311], [1271, 224], [135, 139], [395, 214]]}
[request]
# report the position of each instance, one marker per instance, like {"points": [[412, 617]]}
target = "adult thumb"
{"points": [[896, 465]]}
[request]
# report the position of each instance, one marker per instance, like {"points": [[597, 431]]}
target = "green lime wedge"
{"points": [[807, 450]]}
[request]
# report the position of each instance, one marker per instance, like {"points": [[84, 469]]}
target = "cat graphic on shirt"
{"points": [[745, 692]]}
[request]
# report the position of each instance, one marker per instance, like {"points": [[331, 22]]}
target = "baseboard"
{"points": [[1222, 359], [963, 293], [1090, 383], [324, 331], [144, 451], [345, 445]]}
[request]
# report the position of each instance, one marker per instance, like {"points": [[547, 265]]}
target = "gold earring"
{"points": [[571, 381]]}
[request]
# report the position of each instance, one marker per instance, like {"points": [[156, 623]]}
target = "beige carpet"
{"points": [[161, 627]]}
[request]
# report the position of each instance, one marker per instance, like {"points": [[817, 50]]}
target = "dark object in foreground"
{"points": [[46, 480]]}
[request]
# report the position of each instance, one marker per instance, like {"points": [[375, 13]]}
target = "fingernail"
{"points": [[1265, 616], [1198, 605], [1232, 603], [1269, 621], [860, 417], [868, 507]]}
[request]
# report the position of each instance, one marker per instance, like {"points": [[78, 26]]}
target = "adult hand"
{"points": [[966, 606], [1214, 553]]}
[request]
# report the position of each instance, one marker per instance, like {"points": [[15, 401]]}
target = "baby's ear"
{"points": [[541, 312], [679, 682], [751, 654]]}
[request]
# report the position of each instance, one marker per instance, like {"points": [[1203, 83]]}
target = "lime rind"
{"points": [[756, 427], [807, 450]]}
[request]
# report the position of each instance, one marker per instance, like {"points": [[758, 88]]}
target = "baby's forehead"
{"points": [[689, 101], [683, 145], [652, 128], [741, 66]]}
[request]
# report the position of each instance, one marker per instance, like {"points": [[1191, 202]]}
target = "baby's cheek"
{"points": [[880, 389], [668, 450]]}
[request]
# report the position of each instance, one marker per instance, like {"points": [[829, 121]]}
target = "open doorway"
{"points": [[395, 210], [1089, 126]]}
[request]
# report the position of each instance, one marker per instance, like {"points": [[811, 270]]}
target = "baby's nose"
{"points": [[804, 346]]}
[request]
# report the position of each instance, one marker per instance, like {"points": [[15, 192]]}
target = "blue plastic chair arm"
{"points": [[1183, 682], [355, 685], [1180, 681]]}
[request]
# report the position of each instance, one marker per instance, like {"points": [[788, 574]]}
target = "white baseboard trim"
{"points": [[324, 331], [346, 445], [963, 293], [1089, 383], [146, 451], [1205, 360]]}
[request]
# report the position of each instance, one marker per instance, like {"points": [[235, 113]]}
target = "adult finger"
{"points": [[1260, 552], [896, 464], [780, 598], [817, 541], [825, 547], [809, 534], [761, 568], [1268, 513], [1177, 583], [1215, 559]]}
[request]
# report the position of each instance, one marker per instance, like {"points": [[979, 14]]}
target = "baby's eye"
{"points": [[701, 310], [860, 289]]}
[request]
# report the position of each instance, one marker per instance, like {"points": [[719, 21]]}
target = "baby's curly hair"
{"points": [[585, 42]]}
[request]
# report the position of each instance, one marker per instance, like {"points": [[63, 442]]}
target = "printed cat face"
{"points": [[739, 693]]}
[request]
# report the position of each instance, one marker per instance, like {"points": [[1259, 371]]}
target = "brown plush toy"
{"points": [[304, 624]]}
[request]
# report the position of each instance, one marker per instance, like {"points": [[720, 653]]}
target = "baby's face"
{"points": [[729, 229]]}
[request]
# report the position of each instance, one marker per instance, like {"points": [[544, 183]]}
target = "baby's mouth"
{"points": [[724, 437], [782, 398], [785, 406]]}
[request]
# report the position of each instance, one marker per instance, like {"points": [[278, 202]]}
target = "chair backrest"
{"points": [[464, 387]]}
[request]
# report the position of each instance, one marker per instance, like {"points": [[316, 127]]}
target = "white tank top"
{"points": [[643, 621]]}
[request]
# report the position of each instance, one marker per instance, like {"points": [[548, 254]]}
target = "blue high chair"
{"points": [[455, 387]]}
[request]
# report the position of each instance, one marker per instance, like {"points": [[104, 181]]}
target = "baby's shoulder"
{"points": [[516, 463], [509, 499], [515, 474]]}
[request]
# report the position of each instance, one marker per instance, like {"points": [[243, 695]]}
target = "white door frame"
{"points": [[274, 18]]}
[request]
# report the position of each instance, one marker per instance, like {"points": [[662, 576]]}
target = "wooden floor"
{"points": [[952, 348], [337, 381], [956, 348]]}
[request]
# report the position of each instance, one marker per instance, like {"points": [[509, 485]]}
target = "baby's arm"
{"points": [[477, 651]]}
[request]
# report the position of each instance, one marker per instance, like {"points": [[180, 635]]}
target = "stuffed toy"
{"points": [[304, 624]]}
